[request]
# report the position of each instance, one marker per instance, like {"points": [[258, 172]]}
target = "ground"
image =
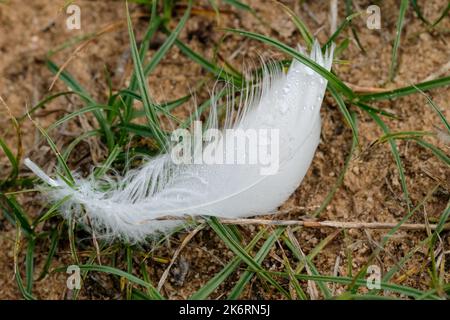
{"points": [[371, 190]]}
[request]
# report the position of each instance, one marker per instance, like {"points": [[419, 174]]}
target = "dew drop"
{"points": [[283, 108]]}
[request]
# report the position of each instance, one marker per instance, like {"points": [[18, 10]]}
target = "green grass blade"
{"points": [[404, 135], [437, 152], [139, 295], [437, 110], [129, 261], [100, 171], [259, 257], [339, 181], [345, 112], [341, 27], [137, 129], [399, 28], [361, 273], [294, 281], [350, 296], [391, 272], [228, 239], [314, 252], [71, 225], [54, 239], [155, 22], [52, 211], [75, 86], [415, 136], [11, 157], [207, 65], [301, 26], [150, 293], [43, 102], [149, 107], [442, 221], [89, 108], [76, 141], [397, 159], [332, 79], [307, 262], [425, 20], [61, 161], [407, 291], [126, 275], [239, 5], [220, 277], [168, 43], [405, 91], [368, 108], [341, 47], [349, 11], [442, 16], [19, 215], [21, 288], [163, 108], [388, 275], [29, 264], [69, 81], [167, 106], [416, 8]]}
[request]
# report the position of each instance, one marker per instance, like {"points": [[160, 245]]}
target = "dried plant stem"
{"points": [[323, 224], [335, 224], [177, 252]]}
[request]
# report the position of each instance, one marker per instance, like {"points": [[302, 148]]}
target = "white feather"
{"points": [[289, 102]]}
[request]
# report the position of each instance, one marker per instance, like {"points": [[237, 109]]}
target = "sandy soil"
{"points": [[371, 190]]}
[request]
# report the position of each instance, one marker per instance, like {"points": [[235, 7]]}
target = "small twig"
{"points": [[334, 224], [317, 224]]}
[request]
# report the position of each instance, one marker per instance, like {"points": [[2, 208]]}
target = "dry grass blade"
{"points": [[176, 254], [312, 287]]}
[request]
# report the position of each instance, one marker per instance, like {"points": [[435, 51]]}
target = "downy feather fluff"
{"points": [[289, 102]]}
